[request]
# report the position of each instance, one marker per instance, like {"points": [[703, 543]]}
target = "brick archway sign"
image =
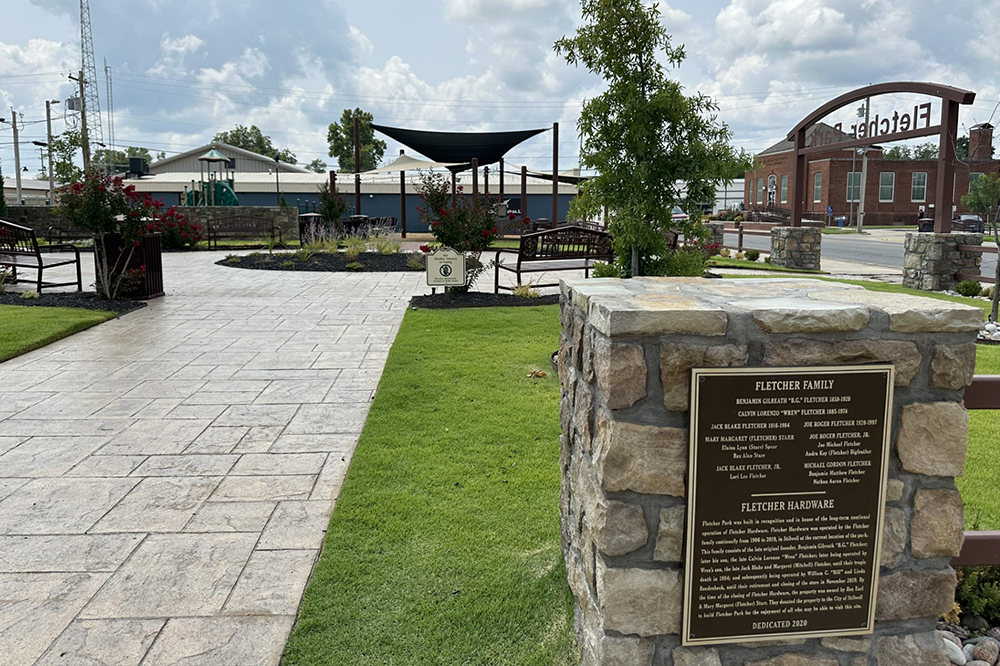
{"points": [[909, 125]]}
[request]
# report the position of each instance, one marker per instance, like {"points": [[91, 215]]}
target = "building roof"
{"points": [[371, 183], [222, 148], [788, 145]]}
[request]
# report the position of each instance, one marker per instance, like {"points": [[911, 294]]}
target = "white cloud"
{"points": [[362, 46], [181, 45]]}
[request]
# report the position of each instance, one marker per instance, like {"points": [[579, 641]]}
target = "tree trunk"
{"points": [[635, 261]]}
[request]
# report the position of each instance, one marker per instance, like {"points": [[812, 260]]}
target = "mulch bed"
{"points": [[371, 262], [85, 300], [478, 299]]}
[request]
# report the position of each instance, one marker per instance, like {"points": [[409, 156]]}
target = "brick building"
{"points": [[896, 192]]}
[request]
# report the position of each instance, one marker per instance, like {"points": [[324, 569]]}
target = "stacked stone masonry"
{"points": [[796, 247], [625, 355], [931, 260]]}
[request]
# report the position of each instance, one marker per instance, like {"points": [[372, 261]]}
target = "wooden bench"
{"points": [[240, 226], [19, 249], [567, 248]]}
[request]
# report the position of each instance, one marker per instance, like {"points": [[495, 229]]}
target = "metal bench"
{"points": [[567, 248], [240, 226], [19, 249]]}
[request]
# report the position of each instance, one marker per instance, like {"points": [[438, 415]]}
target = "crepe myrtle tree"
{"points": [[652, 146], [983, 199]]}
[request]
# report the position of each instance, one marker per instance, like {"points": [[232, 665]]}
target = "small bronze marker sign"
{"points": [[786, 490], [445, 268]]}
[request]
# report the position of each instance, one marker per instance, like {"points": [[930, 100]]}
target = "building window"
{"points": [[784, 189], [760, 190], [886, 184], [973, 177], [853, 186], [817, 187], [918, 192]]}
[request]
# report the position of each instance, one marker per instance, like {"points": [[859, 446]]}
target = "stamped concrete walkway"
{"points": [[166, 478]]}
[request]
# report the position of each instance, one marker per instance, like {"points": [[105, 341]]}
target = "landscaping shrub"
{"points": [[605, 270], [969, 288], [753, 255], [466, 224], [526, 291], [685, 262], [176, 231], [978, 592]]}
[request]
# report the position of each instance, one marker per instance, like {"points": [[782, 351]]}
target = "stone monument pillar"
{"points": [[932, 260], [796, 247], [625, 359]]}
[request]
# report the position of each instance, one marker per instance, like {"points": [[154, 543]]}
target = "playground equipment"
{"points": [[216, 186]]}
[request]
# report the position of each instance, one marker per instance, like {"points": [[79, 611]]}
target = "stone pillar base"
{"points": [[625, 357], [796, 247], [932, 260]]}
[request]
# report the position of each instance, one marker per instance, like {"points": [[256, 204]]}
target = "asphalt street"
{"points": [[882, 248]]}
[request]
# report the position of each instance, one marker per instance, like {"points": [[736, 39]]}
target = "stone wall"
{"points": [[285, 217], [40, 218], [625, 355], [931, 260], [796, 247]]}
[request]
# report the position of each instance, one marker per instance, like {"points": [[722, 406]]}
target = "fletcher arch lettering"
{"points": [[912, 123]]}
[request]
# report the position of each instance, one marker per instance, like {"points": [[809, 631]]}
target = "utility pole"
{"points": [[17, 156], [84, 139], [48, 131], [864, 170]]}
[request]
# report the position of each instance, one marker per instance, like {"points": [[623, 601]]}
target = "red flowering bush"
{"points": [[467, 223], [106, 205], [177, 232]]}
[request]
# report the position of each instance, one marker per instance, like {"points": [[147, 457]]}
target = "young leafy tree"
{"points": [[653, 147], [317, 166], [101, 155], [341, 138], [983, 199], [251, 138], [64, 148]]}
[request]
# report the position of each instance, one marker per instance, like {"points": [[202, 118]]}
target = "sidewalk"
{"points": [[166, 478]]}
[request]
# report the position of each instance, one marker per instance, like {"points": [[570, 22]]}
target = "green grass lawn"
{"points": [[444, 546], [25, 328], [981, 479], [743, 264]]}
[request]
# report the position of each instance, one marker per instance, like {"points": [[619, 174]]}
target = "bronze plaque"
{"points": [[786, 489]]}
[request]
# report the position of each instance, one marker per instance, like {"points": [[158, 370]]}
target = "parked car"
{"points": [[677, 215], [971, 223]]}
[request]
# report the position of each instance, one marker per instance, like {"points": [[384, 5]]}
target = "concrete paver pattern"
{"points": [[166, 478]]}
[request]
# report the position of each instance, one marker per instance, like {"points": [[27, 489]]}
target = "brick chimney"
{"points": [[980, 142]]}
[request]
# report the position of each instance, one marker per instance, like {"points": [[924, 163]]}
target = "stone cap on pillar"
{"points": [[648, 306]]}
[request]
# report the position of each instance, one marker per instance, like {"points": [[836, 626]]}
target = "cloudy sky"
{"points": [[184, 70]]}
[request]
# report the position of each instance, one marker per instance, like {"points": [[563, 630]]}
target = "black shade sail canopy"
{"points": [[459, 147]]}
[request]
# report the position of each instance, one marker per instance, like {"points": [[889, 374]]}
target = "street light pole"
{"points": [[864, 170], [277, 185]]}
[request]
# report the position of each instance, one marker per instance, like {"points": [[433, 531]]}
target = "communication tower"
{"points": [[92, 102]]}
